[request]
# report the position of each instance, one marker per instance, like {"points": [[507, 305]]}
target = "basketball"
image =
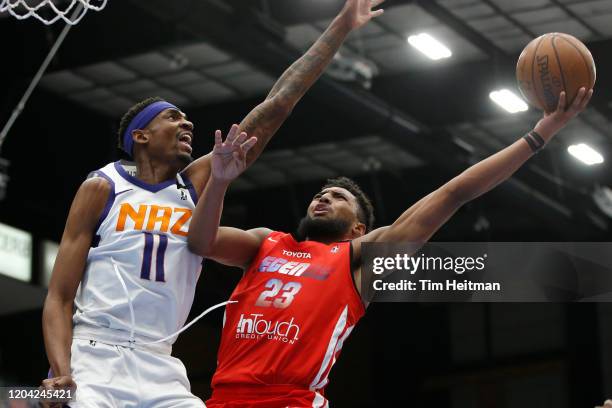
{"points": [[552, 63]]}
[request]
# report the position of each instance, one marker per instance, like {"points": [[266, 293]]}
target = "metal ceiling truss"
{"points": [[256, 39], [265, 50]]}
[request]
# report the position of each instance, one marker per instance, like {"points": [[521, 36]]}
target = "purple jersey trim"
{"points": [[159, 262], [154, 188], [192, 192], [145, 270], [109, 201]]}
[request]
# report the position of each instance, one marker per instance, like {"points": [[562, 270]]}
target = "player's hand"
{"points": [[229, 156], [607, 404], [553, 122], [359, 12], [58, 383]]}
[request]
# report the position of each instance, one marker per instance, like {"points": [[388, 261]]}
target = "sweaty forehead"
{"points": [[174, 110], [338, 190]]}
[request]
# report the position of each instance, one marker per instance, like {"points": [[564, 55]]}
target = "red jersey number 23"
{"points": [[278, 293]]}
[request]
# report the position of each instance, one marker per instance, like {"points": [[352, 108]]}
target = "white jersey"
{"points": [[140, 278]]}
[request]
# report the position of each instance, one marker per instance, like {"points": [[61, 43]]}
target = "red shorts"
{"points": [[265, 396]]}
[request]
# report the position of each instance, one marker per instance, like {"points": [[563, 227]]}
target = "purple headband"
{"points": [[141, 120]]}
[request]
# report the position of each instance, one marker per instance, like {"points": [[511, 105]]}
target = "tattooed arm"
{"points": [[265, 119]]}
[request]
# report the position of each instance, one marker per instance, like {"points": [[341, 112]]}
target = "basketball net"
{"points": [[47, 12]]}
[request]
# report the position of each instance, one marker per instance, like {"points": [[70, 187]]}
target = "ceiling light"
{"points": [[429, 46], [585, 154], [508, 100]]}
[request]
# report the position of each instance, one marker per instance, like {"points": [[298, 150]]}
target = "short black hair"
{"points": [[366, 210], [129, 116]]}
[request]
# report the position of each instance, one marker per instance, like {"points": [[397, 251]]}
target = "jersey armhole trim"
{"points": [[190, 187], [111, 197]]}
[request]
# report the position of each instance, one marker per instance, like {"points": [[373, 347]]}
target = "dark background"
{"points": [[400, 139]]}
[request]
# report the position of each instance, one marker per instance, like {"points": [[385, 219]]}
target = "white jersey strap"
{"points": [[127, 294], [210, 309], [133, 320]]}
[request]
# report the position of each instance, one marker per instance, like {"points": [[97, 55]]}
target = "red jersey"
{"points": [[297, 304]]}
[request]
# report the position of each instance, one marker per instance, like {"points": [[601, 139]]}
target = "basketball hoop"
{"points": [[47, 12], [78, 8]]}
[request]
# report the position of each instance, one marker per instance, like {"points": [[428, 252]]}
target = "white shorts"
{"points": [[116, 376]]}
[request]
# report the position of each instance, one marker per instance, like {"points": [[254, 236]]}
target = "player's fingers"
{"points": [[608, 404], [218, 138], [246, 146], [232, 133], [65, 382], [578, 99], [377, 13], [48, 383], [561, 103], [240, 139], [585, 102]]}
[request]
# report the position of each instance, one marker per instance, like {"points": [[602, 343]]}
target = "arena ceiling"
{"points": [[382, 108]]}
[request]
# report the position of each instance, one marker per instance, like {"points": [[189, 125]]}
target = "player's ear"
{"points": [[358, 230], [140, 136]]}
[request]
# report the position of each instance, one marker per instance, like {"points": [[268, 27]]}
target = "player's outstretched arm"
{"points": [[230, 246], [267, 117], [68, 270], [424, 218]]}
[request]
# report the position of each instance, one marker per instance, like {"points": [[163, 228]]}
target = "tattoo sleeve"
{"points": [[267, 117], [300, 76]]}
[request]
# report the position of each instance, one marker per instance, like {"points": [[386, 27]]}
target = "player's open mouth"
{"points": [[320, 210], [186, 146], [185, 141]]}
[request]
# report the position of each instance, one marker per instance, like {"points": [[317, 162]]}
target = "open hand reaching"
{"points": [[229, 156], [359, 12]]}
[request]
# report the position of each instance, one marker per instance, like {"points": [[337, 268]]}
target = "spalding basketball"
{"points": [[552, 63]]}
